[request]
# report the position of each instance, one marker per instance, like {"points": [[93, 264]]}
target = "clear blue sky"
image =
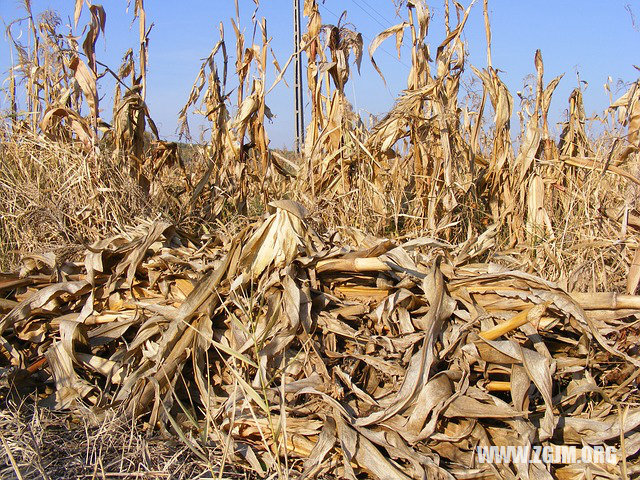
{"points": [[595, 38]]}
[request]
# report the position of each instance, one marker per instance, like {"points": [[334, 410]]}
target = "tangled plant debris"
{"points": [[329, 354]]}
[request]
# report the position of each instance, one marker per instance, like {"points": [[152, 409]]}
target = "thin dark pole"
{"points": [[299, 107]]}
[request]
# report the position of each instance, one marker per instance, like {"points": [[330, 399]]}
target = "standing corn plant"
{"points": [[56, 80], [427, 117], [130, 117], [331, 149], [208, 95]]}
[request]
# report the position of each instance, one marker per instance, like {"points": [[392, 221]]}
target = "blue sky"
{"points": [[594, 39]]}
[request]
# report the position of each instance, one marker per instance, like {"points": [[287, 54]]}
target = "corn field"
{"points": [[379, 306]]}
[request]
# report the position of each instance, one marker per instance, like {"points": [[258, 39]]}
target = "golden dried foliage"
{"points": [[416, 287]]}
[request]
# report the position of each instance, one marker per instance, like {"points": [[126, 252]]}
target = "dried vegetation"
{"points": [[415, 289]]}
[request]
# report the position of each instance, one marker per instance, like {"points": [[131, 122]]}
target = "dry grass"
{"points": [[55, 196], [46, 445]]}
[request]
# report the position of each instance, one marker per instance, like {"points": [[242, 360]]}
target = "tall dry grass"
{"points": [[54, 195]]}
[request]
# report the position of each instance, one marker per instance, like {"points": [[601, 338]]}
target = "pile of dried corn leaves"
{"points": [[288, 349]]}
